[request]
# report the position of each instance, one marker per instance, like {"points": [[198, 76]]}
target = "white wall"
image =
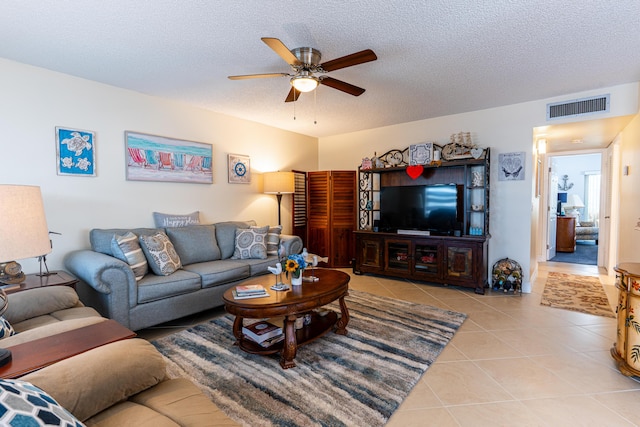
{"points": [[504, 129], [629, 207], [34, 101]]}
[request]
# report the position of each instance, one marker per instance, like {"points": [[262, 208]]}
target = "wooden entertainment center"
{"points": [[456, 257]]}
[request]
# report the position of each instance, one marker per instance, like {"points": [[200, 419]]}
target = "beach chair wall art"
{"points": [[159, 158]]}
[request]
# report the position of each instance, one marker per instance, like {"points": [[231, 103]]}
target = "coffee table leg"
{"points": [[290, 346], [237, 329], [344, 319]]}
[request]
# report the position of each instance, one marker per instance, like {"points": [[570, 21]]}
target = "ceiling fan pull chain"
{"points": [[315, 107], [294, 107]]}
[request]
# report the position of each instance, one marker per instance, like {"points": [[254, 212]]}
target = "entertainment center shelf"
{"points": [[442, 247]]}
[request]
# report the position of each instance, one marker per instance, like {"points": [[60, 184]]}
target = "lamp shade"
{"points": [[23, 225], [279, 182], [575, 201]]}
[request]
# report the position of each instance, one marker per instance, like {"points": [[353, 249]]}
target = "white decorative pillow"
{"points": [[171, 220], [6, 330], [161, 255], [126, 248], [251, 243], [273, 239], [24, 404]]}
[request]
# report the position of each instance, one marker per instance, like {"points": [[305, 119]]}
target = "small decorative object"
{"points": [[415, 171], [313, 261], [436, 155], [476, 208], [239, 169], [511, 166], [420, 154], [477, 179], [75, 151], [277, 271], [366, 164], [565, 186], [158, 158], [295, 265], [377, 163], [476, 153], [506, 276], [369, 205]]}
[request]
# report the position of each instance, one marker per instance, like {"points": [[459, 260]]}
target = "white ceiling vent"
{"points": [[578, 107]]}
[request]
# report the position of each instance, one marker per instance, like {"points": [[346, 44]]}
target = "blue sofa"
{"points": [[208, 270]]}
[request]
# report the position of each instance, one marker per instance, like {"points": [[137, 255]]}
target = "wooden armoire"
{"points": [[332, 213]]}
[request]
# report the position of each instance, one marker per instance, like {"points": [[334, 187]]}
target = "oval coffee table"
{"points": [[298, 301]]}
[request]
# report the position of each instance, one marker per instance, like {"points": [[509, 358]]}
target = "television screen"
{"points": [[436, 208]]}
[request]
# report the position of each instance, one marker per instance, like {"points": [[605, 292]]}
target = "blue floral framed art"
{"points": [[75, 152], [239, 169]]}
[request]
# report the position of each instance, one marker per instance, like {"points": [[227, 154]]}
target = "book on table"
{"points": [[251, 295], [249, 291], [261, 331]]}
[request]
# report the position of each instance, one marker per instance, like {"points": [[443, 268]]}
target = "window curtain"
{"points": [[592, 196]]}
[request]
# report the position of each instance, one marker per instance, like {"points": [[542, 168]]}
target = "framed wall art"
{"points": [[239, 169], [75, 152], [159, 158], [511, 166], [420, 154]]}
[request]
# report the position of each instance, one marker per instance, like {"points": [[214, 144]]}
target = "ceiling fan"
{"points": [[305, 62]]}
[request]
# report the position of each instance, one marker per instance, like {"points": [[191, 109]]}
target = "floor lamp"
{"points": [[23, 234], [279, 183]]}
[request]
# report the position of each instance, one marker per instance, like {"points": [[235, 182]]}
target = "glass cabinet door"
{"points": [[398, 255], [427, 258], [460, 262]]}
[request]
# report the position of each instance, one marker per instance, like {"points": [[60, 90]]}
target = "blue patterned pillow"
{"points": [[161, 254], [6, 330], [23, 404]]}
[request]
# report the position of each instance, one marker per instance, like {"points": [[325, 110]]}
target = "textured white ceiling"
{"points": [[434, 57]]}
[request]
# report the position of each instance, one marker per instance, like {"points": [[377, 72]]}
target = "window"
{"points": [[592, 195]]}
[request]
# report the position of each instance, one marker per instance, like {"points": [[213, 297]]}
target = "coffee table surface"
{"points": [[299, 300]]}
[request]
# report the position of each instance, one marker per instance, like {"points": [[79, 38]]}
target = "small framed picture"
{"points": [[511, 166], [420, 154], [239, 169], [75, 152]]}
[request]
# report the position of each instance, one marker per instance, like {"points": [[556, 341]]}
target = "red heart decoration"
{"points": [[415, 171]]}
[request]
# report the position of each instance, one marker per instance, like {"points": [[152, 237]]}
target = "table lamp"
{"points": [[23, 229], [573, 204], [279, 183]]}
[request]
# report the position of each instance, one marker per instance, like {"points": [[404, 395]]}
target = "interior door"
{"points": [[552, 214]]}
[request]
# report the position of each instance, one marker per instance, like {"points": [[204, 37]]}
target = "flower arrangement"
{"points": [[294, 264]]}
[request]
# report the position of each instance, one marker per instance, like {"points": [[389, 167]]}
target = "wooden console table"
{"points": [[566, 234], [33, 355]]}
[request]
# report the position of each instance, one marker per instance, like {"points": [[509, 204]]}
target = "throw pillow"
{"points": [[273, 239], [172, 220], [161, 255], [6, 330], [126, 248], [251, 243], [23, 404], [195, 243]]}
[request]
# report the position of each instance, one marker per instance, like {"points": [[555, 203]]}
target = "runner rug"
{"points": [[355, 380], [577, 293]]}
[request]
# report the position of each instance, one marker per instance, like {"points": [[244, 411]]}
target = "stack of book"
{"points": [[264, 333], [249, 291]]}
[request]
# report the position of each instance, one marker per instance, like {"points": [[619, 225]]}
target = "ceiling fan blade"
{"points": [[343, 86], [258, 76], [293, 95], [282, 50], [349, 60]]}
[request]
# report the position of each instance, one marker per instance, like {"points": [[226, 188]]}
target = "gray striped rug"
{"points": [[355, 380]]}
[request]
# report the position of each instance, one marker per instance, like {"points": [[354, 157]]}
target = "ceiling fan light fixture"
{"points": [[304, 82]]}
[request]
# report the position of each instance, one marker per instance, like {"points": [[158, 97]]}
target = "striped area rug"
{"points": [[355, 380]]}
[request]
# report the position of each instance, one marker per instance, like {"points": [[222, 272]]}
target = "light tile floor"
{"points": [[513, 362]]}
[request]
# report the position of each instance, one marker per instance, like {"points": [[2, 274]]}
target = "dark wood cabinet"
{"points": [[566, 234], [332, 215], [439, 259]]}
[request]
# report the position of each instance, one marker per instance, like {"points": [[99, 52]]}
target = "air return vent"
{"points": [[578, 107]]}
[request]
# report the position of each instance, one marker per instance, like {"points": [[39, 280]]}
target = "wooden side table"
{"points": [[32, 281], [626, 349], [566, 234]]}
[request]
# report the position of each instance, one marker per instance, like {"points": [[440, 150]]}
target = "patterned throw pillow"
{"points": [[251, 243], [171, 220], [23, 404], [6, 330], [161, 255], [126, 248], [273, 239]]}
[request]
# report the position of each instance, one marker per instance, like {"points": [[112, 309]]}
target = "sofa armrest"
{"points": [[97, 379], [291, 244], [107, 283]]}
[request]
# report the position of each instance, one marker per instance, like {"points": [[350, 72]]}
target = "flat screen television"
{"points": [[434, 208]]}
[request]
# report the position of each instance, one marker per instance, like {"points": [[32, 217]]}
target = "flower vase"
{"points": [[296, 280]]}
